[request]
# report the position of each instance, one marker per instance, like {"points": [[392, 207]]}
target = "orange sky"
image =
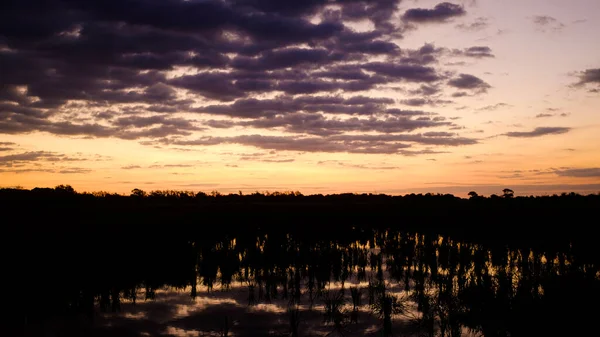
{"points": [[477, 95]]}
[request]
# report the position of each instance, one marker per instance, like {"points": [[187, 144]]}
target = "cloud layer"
{"points": [[175, 72]]}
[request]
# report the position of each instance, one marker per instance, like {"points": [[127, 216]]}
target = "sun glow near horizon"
{"points": [[393, 97]]}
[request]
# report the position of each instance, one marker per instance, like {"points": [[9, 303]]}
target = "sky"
{"points": [[316, 96]]}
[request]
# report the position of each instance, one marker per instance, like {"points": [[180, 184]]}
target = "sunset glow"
{"points": [[318, 96]]}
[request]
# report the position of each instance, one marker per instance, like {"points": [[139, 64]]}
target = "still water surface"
{"points": [[364, 284]]}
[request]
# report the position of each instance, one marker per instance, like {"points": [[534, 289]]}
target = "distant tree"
{"points": [[136, 192], [100, 194], [508, 193], [65, 189], [473, 194]]}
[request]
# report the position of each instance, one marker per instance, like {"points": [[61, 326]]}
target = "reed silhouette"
{"points": [[431, 265]]}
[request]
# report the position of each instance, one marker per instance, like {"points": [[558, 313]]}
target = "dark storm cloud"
{"points": [[134, 69], [440, 13], [470, 82], [538, 132], [592, 172]]}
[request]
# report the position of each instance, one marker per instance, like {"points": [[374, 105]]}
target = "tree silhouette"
{"points": [[65, 189], [508, 193], [136, 192]]}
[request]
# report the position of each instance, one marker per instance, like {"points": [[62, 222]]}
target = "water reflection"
{"points": [[362, 283]]}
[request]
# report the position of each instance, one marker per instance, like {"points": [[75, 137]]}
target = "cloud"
{"points": [[410, 73], [479, 24], [7, 146], [538, 132], [131, 167], [42, 162], [254, 108], [547, 115], [424, 101], [426, 90], [183, 70], [365, 144], [589, 76], [35, 156], [440, 13], [26, 170], [429, 54], [545, 23], [477, 52], [494, 107], [269, 160], [357, 166], [592, 172], [171, 166], [200, 185], [318, 124], [74, 170], [469, 82], [141, 122]]}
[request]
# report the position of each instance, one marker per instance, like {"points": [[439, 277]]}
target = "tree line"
{"points": [[506, 217]]}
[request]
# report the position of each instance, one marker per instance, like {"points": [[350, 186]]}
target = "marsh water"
{"points": [[362, 283]]}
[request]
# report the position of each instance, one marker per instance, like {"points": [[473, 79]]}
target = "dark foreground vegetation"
{"points": [[187, 214], [496, 266]]}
